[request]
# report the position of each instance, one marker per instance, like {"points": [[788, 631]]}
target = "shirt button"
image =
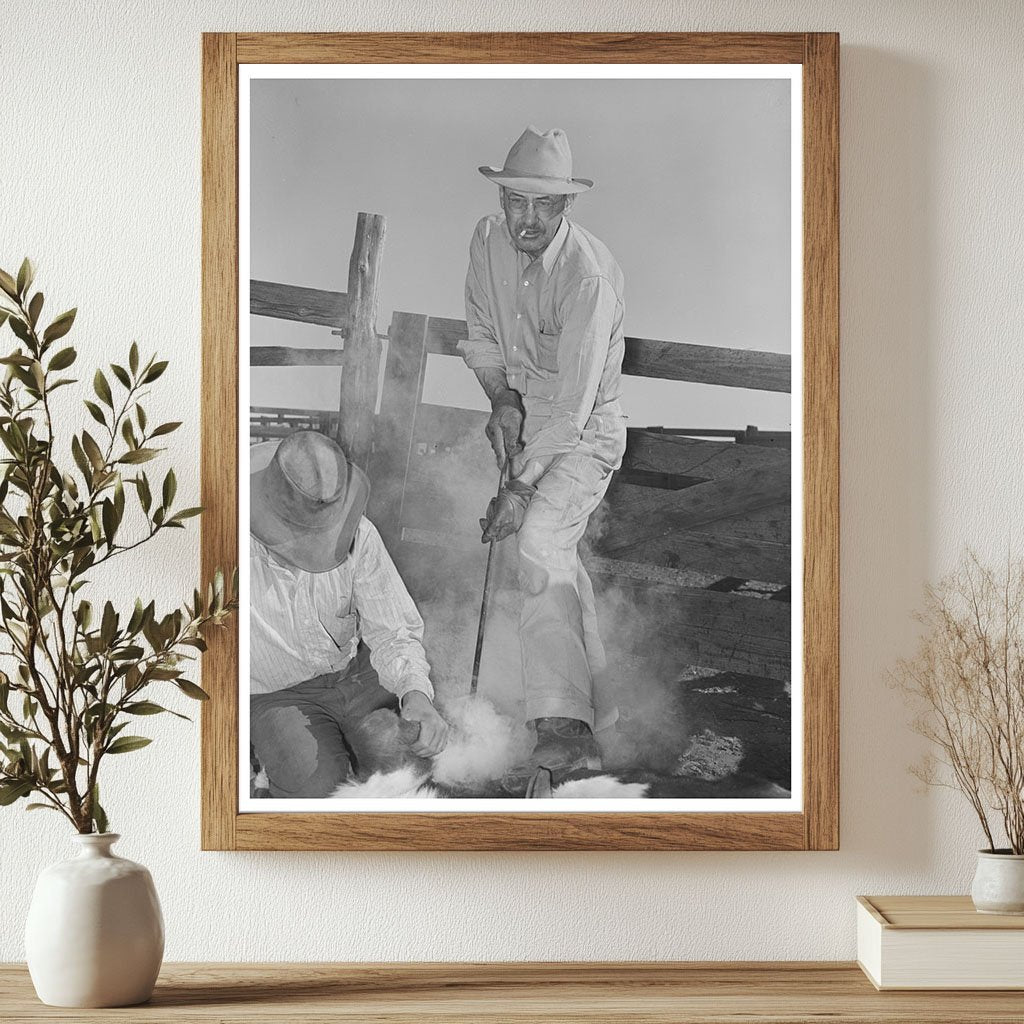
{"points": [[515, 348], [504, 282], [526, 284], [519, 316]]}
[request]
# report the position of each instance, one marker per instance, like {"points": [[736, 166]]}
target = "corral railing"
{"points": [[697, 522]]}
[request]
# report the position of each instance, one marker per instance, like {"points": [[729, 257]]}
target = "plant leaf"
{"points": [[35, 308], [11, 791], [125, 744], [145, 498], [102, 388], [63, 359], [154, 371], [92, 449], [20, 329], [99, 816], [60, 326], [191, 690], [108, 625], [133, 358], [165, 428], [80, 458], [95, 412], [8, 284], [26, 274], [128, 433], [185, 513], [121, 374], [170, 488], [138, 455]]}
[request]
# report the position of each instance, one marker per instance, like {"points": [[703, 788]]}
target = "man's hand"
{"points": [[505, 426], [506, 512], [416, 707]]}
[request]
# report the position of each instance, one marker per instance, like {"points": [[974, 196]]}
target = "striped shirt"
{"points": [[304, 624], [554, 325]]}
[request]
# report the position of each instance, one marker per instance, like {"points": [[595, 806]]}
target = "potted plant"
{"points": [[81, 670], [967, 681]]}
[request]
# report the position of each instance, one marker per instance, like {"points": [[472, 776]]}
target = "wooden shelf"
{"points": [[697, 993]]}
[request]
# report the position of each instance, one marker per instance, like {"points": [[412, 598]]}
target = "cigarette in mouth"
{"points": [[522, 234]]}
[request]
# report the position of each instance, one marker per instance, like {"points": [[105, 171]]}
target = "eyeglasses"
{"points": [[542, 204]]}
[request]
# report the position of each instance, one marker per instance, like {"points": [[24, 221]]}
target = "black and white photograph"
{"points": [[520, 396]]}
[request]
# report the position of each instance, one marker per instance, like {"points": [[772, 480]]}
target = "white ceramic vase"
{"points": [[95, 933], [999, 883]]}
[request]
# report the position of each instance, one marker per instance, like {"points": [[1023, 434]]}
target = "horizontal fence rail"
{"points": [[305, 305], [644, 357], [284, 355], [668, 360]]}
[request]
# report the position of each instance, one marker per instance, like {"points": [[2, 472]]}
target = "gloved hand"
{"points": [[505, 513], [505, 426]]}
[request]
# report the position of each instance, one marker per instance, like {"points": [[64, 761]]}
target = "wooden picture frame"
{"points": [[816, 826]]}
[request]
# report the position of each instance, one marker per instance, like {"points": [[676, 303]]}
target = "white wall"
{"points": [[99, 181]]}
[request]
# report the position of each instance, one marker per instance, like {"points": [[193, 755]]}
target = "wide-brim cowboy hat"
{"points": [[539, 162], [305, 500]]}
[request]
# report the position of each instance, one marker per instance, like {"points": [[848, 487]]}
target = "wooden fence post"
{"points": [[360, 363]]}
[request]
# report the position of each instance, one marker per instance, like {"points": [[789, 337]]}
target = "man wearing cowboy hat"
{"points": [[321, 581], [544, 310]]}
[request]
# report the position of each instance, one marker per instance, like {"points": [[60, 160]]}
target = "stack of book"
{"points": [[938, 942]]}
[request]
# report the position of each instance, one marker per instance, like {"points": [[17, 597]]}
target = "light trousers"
{"points": [[564, 663]]}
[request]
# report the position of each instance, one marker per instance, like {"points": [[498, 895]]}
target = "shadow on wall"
{"points": [[888, 272]]}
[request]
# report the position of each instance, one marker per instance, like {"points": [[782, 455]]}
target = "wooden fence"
{"points": [[696, 526]]}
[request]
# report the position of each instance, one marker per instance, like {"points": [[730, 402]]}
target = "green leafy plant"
{"points": [[81, 673]]}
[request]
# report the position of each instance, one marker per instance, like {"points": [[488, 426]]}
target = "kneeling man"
{"points": [[321, 582]]}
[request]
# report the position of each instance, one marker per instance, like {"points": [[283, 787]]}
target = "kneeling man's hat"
{"points": [[539, 162], [306, 500]]}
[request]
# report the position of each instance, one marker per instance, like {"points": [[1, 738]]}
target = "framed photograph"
{"points": [[520, 419]]}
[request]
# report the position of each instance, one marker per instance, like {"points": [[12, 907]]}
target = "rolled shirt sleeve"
{"points": [[588, 321], [481, 348], [389, 621]]}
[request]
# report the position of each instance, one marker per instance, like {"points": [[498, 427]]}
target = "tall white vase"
{"points": [[95, 933]]}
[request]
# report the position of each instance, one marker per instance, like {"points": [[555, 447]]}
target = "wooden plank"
{"points": [[219, 430], [646, 572], [804, 992], [699, 551], [479, 832], [521, 47], [729, 632], [306, 305], [707, 364], [764, 526], [821, 439], [669, 360], [663, 452], [284, 355], [360, 368], [670, 512], [279, 411], [396, 423]]}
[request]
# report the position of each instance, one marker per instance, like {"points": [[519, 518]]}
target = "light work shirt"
{"points": [[305, 624], [554, 325]]}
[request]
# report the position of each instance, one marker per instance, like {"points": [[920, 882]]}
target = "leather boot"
{"points": [[564, 745]]}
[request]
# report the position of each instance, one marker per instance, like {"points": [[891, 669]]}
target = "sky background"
{"points": [[692, 197]]}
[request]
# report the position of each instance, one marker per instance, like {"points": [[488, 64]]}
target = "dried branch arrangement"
{"points": [[79, 670], [967, 679]]}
